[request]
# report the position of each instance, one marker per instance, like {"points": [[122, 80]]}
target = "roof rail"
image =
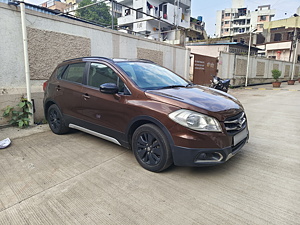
{"points": [[146, 60], [88, 57]]}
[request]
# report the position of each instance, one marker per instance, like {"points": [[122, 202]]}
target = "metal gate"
{"points": [[204, 68]]}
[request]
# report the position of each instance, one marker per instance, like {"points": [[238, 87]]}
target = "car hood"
{"points": [[199, 98]]}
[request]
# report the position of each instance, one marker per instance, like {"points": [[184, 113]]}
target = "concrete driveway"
{"points": [[80, 179]]}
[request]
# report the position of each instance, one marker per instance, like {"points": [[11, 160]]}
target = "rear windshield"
{"points": [[151, 76]]}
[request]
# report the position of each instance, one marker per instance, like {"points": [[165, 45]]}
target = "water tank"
{"points": [[199, 18]]}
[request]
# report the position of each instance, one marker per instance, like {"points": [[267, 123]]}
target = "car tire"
{"points": [[56, 121], [151, 148]]}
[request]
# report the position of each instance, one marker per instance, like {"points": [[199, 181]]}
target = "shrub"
{"points": [[19, 117], [276, 74]]}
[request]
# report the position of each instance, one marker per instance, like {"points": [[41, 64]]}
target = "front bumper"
{"points": [[205, 157]]}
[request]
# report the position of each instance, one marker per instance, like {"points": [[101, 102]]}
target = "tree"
{"points": [[98, 13]]}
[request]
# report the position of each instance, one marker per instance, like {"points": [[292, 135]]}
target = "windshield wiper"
{"points": [[173, 86]]}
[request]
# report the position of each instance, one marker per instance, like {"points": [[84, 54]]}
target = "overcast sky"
{"points": [[208, 8]]}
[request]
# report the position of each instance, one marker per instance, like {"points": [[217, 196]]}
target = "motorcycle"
{"points": [[220, 84]]}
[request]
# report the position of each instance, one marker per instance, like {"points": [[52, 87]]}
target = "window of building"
{"points": [[290, 36], [226, 22], [165, 10], [127, 12], [227, 14], [263, 18], [138, 14], [277, 37], [242, 30], [117, 14]]}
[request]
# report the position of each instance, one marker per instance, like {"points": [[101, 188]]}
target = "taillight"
{"points": [[45, 84]]}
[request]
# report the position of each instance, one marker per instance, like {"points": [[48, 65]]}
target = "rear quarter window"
{"points": [[60, 70]]}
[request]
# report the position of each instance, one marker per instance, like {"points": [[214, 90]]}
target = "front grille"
{"points": [[234, 124]]}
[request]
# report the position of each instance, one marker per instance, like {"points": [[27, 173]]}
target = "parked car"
{"points": [[140, 105]]}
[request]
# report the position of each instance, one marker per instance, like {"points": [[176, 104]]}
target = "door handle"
{"points": [[58, 88], [86, 96]]}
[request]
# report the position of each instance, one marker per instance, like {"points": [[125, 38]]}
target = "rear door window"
{"points": [[74, 73]]}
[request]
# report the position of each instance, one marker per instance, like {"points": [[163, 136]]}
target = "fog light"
{"points": [[202, 156], [209, 157]]}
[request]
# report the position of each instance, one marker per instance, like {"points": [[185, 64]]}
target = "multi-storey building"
{"points": [[239, 19], [197, 29], [282, 37], [158, 19], [67, 6], [55, 5]]}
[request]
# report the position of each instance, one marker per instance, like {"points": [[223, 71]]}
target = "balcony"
{"points": [[126, 19], [183, 3], [278, 46]]}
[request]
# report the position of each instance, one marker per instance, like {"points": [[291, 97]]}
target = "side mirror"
{"points": [[109, 88]]}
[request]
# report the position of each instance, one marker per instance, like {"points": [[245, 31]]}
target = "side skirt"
{"points": [[103, 136]]}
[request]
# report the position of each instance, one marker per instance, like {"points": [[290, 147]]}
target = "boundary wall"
{"points": [[52, 39], [234, 67]]}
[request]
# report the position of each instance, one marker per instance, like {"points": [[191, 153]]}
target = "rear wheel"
{"points": [[151, 148], [56, 120]]}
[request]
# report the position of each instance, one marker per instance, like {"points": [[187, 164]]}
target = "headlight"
{"points": [[195, 121], [216, 81]]}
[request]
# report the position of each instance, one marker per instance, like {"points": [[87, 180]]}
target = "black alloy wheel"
{"points": [[56, 120], [151, 148]]}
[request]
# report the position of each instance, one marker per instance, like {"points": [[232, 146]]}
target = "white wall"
{"points": [[209, 50], [234, 67], [104, 42]]}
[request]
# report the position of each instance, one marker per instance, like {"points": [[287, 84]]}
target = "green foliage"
{"points": [[98, 13], [19, 117], [276, 74]]}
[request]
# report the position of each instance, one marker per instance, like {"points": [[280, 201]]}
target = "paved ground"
{"points": [[80, 179]]}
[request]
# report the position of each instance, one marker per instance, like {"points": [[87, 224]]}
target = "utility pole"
{"points": [[248, 60], [295, 40], [112, 14], [26, 58]]}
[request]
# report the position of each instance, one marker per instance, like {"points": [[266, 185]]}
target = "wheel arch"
{"points": [[47, 105], [141, 120]]}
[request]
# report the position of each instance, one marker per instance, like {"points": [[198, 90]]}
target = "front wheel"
{"points": [[56, 120], [151, 148], [225, 89]]}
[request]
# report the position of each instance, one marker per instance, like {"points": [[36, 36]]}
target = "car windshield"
{"points": [[151, 76]]}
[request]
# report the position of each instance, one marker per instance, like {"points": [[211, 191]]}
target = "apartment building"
{"points": [[239, 20], [66, 6], [196, 31], [55, 5], [173, 16], [282, 37]]}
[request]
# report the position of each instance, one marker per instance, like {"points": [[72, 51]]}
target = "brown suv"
{"points": [[140, 105]]}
